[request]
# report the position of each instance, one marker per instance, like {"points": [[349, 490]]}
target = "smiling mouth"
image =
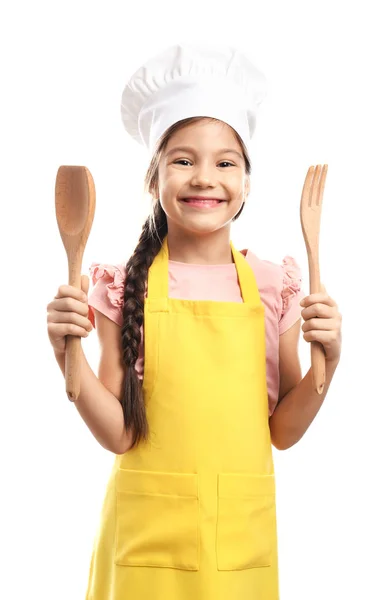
{"points": [[202, 202]]}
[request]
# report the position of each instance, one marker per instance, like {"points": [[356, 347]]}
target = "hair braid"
{"points": [[153, 233]]}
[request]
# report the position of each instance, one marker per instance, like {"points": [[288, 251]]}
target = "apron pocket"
{"points": [[157, 519], [246, 525]]}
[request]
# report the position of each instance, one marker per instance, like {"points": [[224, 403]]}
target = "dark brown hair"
{"points": [[153, 233]]}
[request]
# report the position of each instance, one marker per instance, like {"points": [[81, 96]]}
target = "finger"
{"points": [[69, 291], [324, 337], [69, 304], [318, 297], [63, 329], [329, 299], [318, 310], [63, 317], [321, 324]]}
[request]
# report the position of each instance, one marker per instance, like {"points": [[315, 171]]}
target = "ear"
{"points": [[154, 191], [247, 188]]}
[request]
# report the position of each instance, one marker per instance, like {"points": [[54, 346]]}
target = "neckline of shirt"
{"points": [[174, 263]]}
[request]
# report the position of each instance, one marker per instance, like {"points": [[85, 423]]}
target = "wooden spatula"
{"points": [[311, 204], [75, 209]]}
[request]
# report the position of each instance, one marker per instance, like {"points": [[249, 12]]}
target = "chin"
{"points": [[203, 227]]}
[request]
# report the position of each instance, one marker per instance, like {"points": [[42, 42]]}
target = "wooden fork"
{"points": [[311, 204]]}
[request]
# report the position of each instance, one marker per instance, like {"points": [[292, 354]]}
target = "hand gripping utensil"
{"points": [[311, 204], [75, 209]]}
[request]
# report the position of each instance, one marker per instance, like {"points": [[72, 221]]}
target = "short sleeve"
{"points": [[107, 296], [292, 293], [107, 292]]}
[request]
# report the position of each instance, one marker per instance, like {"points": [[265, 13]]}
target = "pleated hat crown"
{"points": [[190, 80]]}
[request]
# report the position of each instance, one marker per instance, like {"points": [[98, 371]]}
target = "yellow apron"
{"points": [[190, 515]]}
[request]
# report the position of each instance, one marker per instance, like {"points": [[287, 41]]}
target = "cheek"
{"points": [[237, 183], [171, 182]]}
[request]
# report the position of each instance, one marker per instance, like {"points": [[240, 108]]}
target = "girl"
{"points": [[199, 371]]}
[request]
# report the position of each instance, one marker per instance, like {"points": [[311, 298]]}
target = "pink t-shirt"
{"points": [[279, 286]]}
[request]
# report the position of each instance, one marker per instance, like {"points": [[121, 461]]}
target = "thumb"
{"points": [[323, 289], [85, 283]]}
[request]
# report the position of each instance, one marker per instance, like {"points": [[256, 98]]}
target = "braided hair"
{"points": [[149, 244]]}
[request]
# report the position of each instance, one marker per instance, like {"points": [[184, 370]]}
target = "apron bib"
{"points": [[190, 514]]}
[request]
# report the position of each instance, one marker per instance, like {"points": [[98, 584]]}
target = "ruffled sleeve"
{"points": [[292, 293], [106, 294]]}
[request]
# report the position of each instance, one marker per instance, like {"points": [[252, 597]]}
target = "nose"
{"points": [[203, 176]]}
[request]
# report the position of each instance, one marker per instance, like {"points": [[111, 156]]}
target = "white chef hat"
{"points": [[189, 80]]}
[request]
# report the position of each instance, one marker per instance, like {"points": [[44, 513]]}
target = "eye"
{"points": [[225, 162], [181, 160], [184, 160]]}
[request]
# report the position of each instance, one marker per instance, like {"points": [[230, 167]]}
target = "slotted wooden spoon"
{"points": [[75, 200], [311, 205]]}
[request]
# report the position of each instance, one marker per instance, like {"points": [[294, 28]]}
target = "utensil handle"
{"points": [[318, 366], [73, 342], [317, 351], [72, 366]]}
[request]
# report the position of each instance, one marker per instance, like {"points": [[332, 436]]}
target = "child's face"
{"points": [[205, 168]]}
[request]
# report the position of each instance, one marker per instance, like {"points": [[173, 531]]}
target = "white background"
{"points": [[63, 67]]}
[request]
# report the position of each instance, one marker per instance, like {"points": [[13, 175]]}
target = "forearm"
{"points": [[297, 409], [98, 407]]}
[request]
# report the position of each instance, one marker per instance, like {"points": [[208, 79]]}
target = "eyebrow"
{"points": [[189, 149]]}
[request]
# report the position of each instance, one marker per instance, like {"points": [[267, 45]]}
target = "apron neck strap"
{"points": [[158, 276], [246, 277]]}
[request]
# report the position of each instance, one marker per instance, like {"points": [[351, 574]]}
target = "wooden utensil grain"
{"points": [[310, 212], [75, 200]]}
